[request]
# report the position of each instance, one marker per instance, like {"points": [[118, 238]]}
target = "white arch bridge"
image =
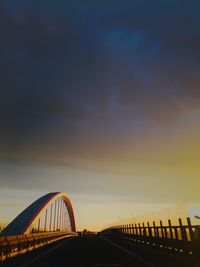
{"points": [[48, 219]]}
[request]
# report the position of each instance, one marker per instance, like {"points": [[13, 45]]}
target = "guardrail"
{"points": [[175, 238], [11, 246]]}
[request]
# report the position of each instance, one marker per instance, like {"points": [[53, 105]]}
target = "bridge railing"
{"points": [[175, 238], [11, 246]]}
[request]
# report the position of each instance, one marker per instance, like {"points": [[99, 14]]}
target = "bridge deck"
{"points": [[96, 251]]}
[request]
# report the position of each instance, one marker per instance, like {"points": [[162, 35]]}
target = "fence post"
{"points": [[176, 232], [161, 230], [130, 230], [190, 228], [170, 229], [183, 232], [149, 230], [136, 229], [133, 233], [140, 230], [144, 229], [155, 230]]}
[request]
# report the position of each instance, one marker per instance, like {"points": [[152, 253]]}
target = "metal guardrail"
{"points": [[11, 246], [175, 238]]}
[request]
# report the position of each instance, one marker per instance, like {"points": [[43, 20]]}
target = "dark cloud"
{"points": [[67, 66]]}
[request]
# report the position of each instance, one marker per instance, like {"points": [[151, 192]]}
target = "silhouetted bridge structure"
{"points": [[44, 234]]}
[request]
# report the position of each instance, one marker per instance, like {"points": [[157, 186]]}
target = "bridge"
{"points": [[44, 234]]}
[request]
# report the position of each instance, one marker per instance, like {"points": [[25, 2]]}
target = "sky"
{"points": [[101, 100]]}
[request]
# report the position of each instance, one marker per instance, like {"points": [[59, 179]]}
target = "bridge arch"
{"points": [[60, 210]]}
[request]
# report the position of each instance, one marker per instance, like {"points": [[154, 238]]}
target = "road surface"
{"points": [[93, 251]]}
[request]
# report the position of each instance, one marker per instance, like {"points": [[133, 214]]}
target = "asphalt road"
{"points": [[91, 251]]}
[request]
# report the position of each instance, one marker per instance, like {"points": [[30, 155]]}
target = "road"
{"points": [[90, 251]]}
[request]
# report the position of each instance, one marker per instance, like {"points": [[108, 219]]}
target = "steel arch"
{"points": [[24, 220]]}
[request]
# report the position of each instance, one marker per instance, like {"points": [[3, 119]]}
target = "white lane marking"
{"points": [[146, 263], [39, 257]]}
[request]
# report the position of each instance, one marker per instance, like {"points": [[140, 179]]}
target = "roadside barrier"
{"points": [[180, 238], [11, 246]]}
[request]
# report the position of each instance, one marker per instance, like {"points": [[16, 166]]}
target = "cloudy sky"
{"points": [[99, 99]]}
